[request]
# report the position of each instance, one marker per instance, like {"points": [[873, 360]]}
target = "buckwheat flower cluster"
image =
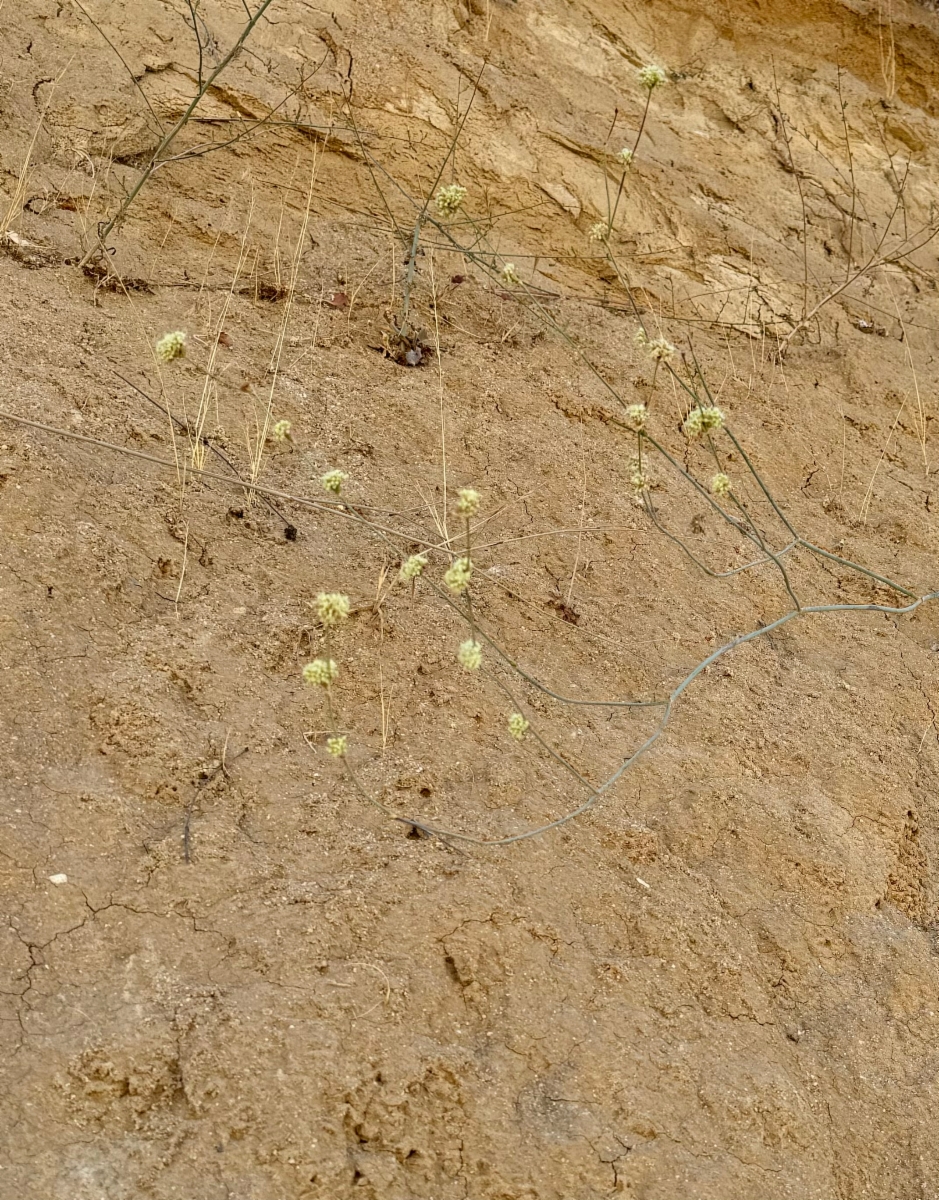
{"points": [[332, 481], [660, 349], [625, 156], [412, 567], [449, 199], [332, 608], [636, 416], [651, 76], [458, 576], [701, 420], [510, 275], [518, 726], [170, 346], [467, 502], [720, 484], [337, 746], [599, 232], [280, 431], [470, 655], [320, 672], [638, 479]]}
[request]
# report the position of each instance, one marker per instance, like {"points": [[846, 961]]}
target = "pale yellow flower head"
{"points": [[467, 502], [170, 346], [660, 349], [412, 567], [518, 726], [450, 199], [337, 746], [701, 420], [652, 76], [638, 479], [321, 672], [470, 655], [332, 608], [332, 481], [636, 416], [458, 577]]}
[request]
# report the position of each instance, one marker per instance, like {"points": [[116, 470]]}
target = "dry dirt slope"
{"points": [[723, 981]]}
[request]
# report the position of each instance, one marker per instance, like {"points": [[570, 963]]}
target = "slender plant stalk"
{"points": [[157, 160]]}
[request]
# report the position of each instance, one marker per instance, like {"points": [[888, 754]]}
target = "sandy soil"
{"points": [[719, 983]]}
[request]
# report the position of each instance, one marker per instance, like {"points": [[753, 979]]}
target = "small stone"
{"points": [[57, 879]]}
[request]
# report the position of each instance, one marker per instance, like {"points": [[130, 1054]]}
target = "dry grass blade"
{"points": [[22, 182], [864, 510], [262, 426], [442, 524], [888, 50], [196, 430]]}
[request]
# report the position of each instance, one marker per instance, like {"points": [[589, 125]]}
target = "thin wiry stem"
{"points": [[601, 790], [757, 562], [632, 156], [422, 215], [157, 159], [798, 178], [856, 567], [192, 5], [260, 123]]}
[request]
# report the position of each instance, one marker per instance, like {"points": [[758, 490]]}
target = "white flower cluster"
{"points": [[321, 672], [636, 416], [412, 567], [470, 655], [170, 346], [518, 726], [458, 576], [651, 76], [467, 502], [280, 431], [660, 349], [701, 420], [332, 481], [449, 199], [638, 479], [332, 608]]}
